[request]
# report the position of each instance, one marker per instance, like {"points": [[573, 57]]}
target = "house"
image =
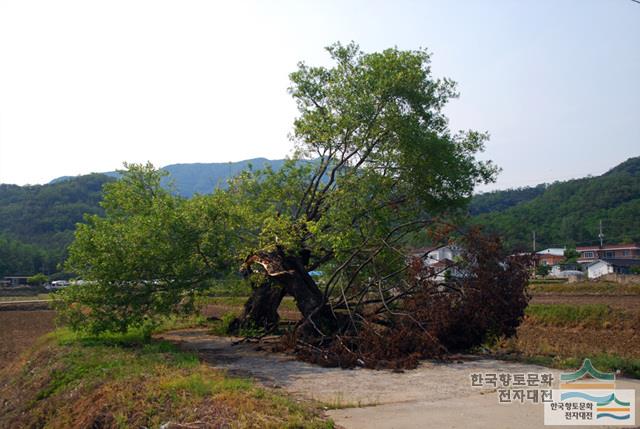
{"points": [[590, 254], [598, 268], [14, 281], [440, 259], [609, 266], [434, 254], [550, 257]]}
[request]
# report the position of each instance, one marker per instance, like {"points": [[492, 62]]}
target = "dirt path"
{"points": [[437, 395]]}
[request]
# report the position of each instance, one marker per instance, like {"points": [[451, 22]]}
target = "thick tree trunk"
{"points": [[261, 309], [309, 298], [288, 275]]}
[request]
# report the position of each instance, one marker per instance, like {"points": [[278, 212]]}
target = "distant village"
{"points": [[591, 262], [585, 262]]}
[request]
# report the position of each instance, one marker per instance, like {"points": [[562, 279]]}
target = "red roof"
{"points": [[609, 247]]}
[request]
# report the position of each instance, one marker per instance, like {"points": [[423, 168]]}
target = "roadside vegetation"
{"points": [[561, 335], [589, 315], [69, 380]]}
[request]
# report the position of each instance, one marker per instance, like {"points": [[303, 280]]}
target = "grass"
{"points": [[563, 335], [584, 288], [629, 367], [598, 315], [238, 301], [125, 380], [548, 281], [38, 297], [338, 403]]}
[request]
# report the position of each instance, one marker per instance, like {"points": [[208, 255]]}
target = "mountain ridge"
{"points": [[37, 221], [193, 178]]}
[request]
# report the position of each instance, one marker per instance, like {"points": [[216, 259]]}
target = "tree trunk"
{"points": [[261, 309], [290, 275], [309, 298]]}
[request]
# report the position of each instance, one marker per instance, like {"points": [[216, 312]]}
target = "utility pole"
{"points": [[601, 235], [534, 242]]}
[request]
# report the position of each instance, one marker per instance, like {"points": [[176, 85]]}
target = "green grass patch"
{"points": [[629, 367], [584, 288], [38, 297], [548, 281], [140, 382], [572, 315], [200, 386], [287, 303]]}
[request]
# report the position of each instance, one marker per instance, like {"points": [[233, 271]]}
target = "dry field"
{"points": [[19, 329], [622, 302]]}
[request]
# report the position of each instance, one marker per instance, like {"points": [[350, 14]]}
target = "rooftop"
{"points": [[555, 251], [631, 246]]}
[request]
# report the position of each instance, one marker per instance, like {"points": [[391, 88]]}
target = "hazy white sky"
{"points": [[86, 85]]}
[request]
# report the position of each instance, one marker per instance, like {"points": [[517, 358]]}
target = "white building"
{"points": [[599, 268], [440, 259]]}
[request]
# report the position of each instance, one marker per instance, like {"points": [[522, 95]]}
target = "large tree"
{"points": [[382, 163], [375, 165]]}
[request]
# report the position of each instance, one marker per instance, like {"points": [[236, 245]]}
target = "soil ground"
{"points": [[620, 302], [19, 329]]}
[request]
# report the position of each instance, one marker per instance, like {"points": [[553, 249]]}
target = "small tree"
{"points": [[543, 270], [571, 256], [37, 279], [147, 257]]}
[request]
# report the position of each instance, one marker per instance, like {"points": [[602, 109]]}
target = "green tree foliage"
{"points": [[571, 256], [37, 279], [17, 258], [37, 222], [147, 256], [543, 270], [385, 164], [498, 201]]}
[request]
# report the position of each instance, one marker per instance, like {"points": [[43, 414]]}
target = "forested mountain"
{"points": [[566, 213], [498, 201], [190, 179], [37, 222], [202, 178]]}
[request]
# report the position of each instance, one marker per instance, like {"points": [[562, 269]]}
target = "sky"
{"points": [[87, 85]]}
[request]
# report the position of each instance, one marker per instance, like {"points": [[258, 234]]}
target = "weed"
{"points": [[572, 315]]}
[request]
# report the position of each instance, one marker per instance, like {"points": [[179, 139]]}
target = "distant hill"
{"points": [[566, 213], [37, 222], [199, 178]]}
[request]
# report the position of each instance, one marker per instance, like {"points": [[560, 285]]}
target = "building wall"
{"points": [[615, 253], [599, 269], [550, 259]]}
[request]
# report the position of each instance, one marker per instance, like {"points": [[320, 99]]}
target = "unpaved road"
{"points": [[435, 395]]}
